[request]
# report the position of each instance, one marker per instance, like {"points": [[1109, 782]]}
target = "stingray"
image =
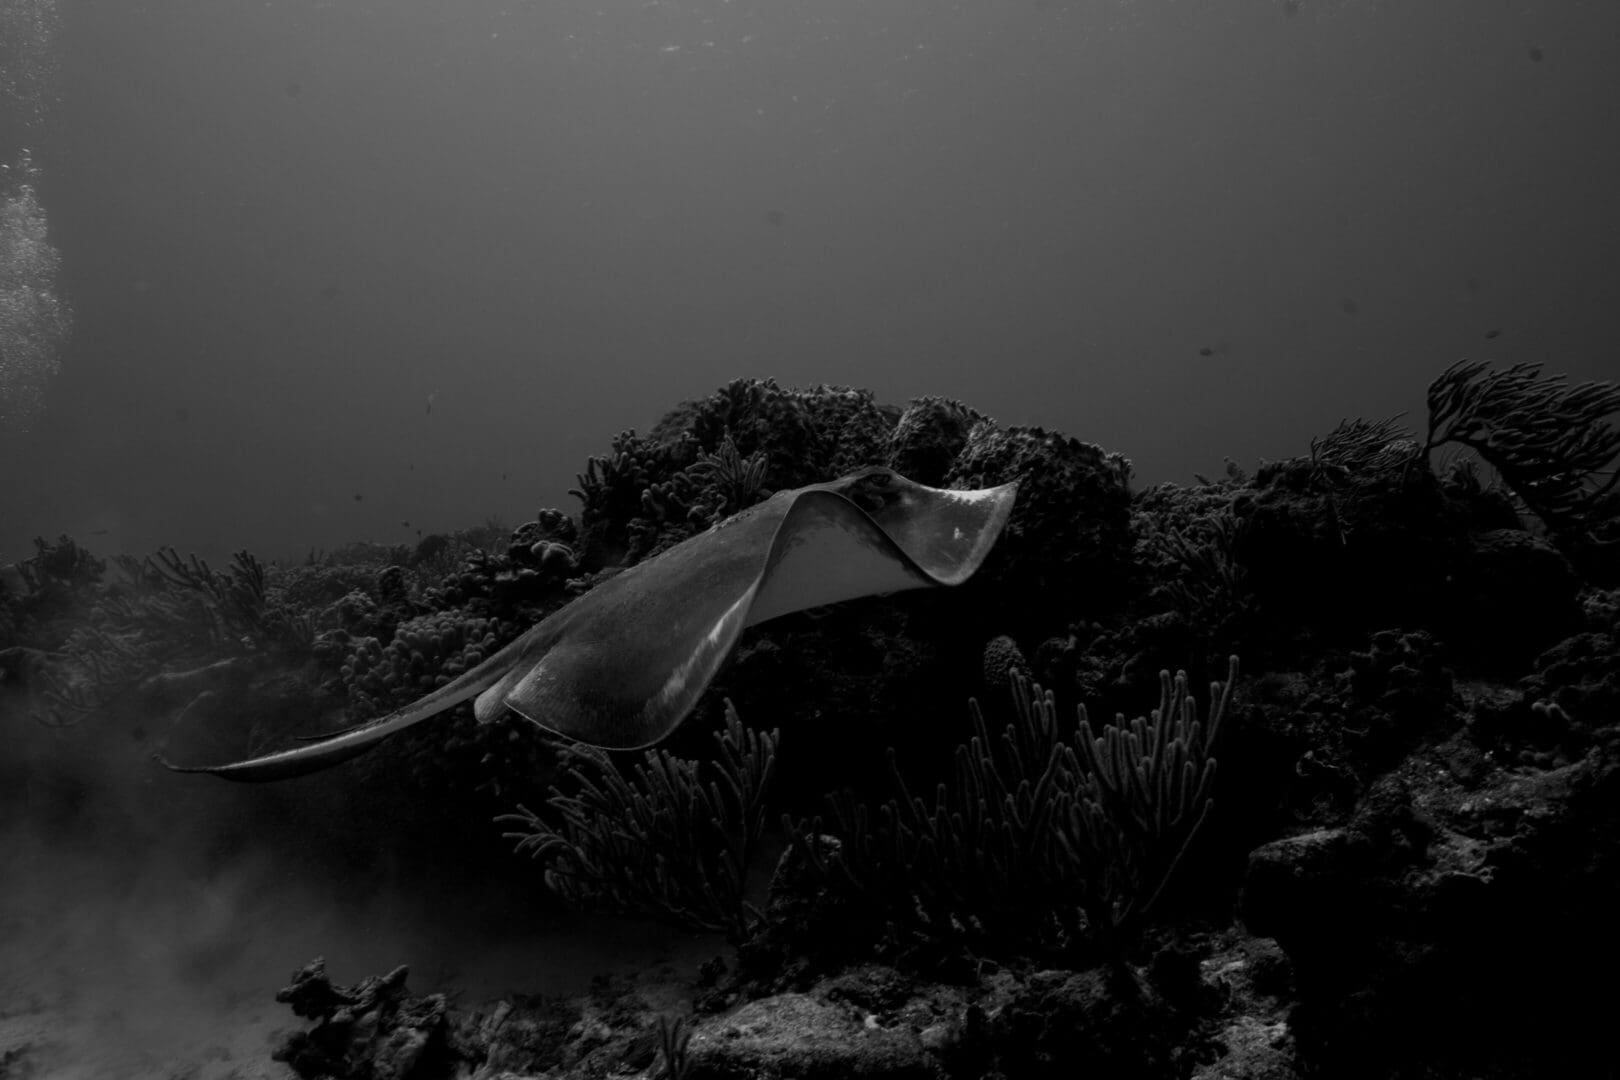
{"points": [[622, 665]]}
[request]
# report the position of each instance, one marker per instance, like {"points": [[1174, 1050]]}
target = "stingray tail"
{"points": [[350, 743]]}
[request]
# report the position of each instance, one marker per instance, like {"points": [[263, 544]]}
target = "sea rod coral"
{"points": [[662, 840], [1060, 844]]}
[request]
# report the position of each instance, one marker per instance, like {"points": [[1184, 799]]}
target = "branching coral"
{"points": [[660, 841], [90, 671], [66, 563], [235, 601], [164, 611], [1358, 448], [35, 588], [1551, 443], [1209, 584], [612, 484], [1038, 841], [1145, 791]]}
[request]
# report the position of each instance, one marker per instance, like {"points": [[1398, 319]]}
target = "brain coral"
{"points": [[1002, 658]]}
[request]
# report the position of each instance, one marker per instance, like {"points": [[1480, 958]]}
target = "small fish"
{"points": [[503, 476], [1492, 334], [430, 398], [406, 524], [1206, 351], [98, 532], [358, 496]]}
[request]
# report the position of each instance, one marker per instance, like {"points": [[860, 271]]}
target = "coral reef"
{"points": [[427, 651], [1068, 544], [660, 841], [1393, 919], [1405, 866], [1042, 842], [929, 436], [1003, 662], [235, 601], [373, 1028], [651, 491], [164, 617], [1550, 442]]}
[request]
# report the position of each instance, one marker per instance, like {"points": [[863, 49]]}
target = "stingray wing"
{"points": [[623, 665], [626, 671], [313, 757]]}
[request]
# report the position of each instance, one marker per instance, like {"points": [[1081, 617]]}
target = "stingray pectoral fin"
{"points": [[628, 667], [631, 693], [622, 665], [828, 549], [313, 757], [946, 534]]}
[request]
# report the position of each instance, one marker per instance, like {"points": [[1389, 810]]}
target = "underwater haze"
{"points": [[278, 277], [335, 267]]}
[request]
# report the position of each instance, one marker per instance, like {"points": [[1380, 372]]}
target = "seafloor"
{"points": [[878, 847]]}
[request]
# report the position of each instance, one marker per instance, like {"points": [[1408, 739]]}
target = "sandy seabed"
{"points": [[147, 919]]}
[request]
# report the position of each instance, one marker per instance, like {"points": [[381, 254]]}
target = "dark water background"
{"points": [[284, 226], [335, 266]]}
